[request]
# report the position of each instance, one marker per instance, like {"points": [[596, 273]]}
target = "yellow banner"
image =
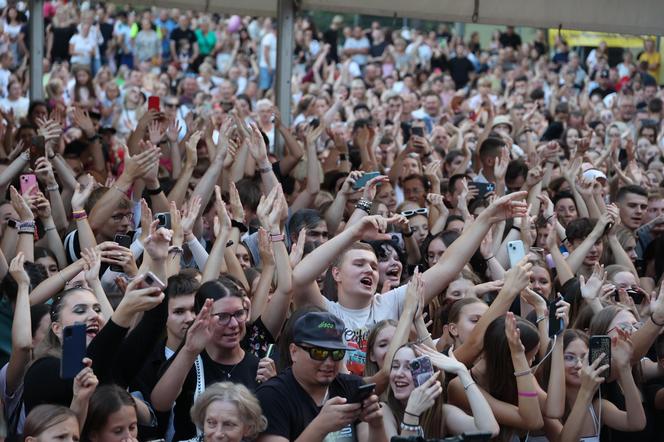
{"points": [[587, 38]]}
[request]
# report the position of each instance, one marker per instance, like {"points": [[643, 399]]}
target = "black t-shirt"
{"points": [[460, 68], [243, 373], [376, 50], [180, 36], [513, 41], [331, 37], [289, 409]]}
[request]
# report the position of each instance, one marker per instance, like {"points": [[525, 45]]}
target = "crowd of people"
{"points": [[443, 238]]}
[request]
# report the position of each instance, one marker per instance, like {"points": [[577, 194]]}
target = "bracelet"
{"points": [[364, 205], [79, 215], [518, 374], [175, 249], [50, 157], [48, 229], [412, 428], [53, 188], [62, 278], [276, 237], [652, 318], [563, 240], [26, 227], [422, 339], [540, 319], [264, 170], [407, 234], [411, 414], [239, 225], [26, 232], [153, 192], [229, 243], [528, 393], [518, 229], [466, 387], [548, 218], [489, 258]]}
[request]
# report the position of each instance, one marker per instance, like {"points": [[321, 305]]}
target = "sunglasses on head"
{"points": [[321, 354], [413, 212]]}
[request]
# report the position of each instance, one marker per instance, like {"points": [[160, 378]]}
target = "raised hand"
{"points": [[44, 172], [297, 248], [114, 254], [440, 361], [222, 222], [508, 206], [590, 289], [17, 270], [157, 242], [137, 299], [265, 248], [513, 335], [20, 205], [85, 382], [237, 211], [591, 376], [92, 264], [190, 215], [423, 397], [200, 332], [173, 131], [82, 193], [156, 132]]}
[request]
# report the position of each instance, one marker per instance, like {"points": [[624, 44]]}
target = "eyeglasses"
{"points": [[571, 359], [321, 354], [420, 211], [120, 216], [627, 327], [225, 318]]}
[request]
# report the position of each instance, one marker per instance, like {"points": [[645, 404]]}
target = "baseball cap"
{"points": [[320, 329]]}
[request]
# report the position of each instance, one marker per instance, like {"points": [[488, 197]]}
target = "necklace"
{"points": [[228, 373]]}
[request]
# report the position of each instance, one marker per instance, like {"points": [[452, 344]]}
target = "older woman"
{"points": [[227, 411]]}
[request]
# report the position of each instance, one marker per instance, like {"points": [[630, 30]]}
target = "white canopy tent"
{"points": [[619, 16]]}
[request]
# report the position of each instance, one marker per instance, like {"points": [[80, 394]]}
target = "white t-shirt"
{"points": [[360, 322], [84, 46], [354, 43], [19, 107], [270, 40]]}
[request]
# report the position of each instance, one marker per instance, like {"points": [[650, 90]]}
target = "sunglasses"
{"points": [[321, 354], [420, 211]]}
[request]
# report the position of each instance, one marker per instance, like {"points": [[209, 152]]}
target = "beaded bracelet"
{"points": [[79, 215]]}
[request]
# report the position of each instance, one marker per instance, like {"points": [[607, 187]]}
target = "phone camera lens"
{"points": [[415, 365], [149, 279]]}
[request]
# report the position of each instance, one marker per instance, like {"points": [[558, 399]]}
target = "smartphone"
{"points": [[37, 150], [73, 350], [601, 344], [314, 123], [421, 369], [154, 103], [164, 219], [152, 280], [364, 179], [362, 393], [27, 181], [515, 251], [482, 188], [636, 295], [124, 241], [556, 325], [418, 131]]}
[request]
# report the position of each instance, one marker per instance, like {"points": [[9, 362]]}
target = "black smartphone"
{"points": [[314, 123], [362, 393], [556, 325], [124, 241], [636, 295], [418, 131], [37, 150], [164, 219], [73, 350], [477, 437], [482, 188], [601, 344]]}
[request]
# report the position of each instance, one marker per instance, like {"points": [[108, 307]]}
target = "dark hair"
{"points": [[446, 236], [451, 183], [45, 416], [36, 274], [250, 193], [43, 252], [632, 188], [181, 284], [561, 196], [497, 355], [421, 178], [106, 400], [579, 228], [220, 288], [303, 218], [515, 169], [491, 147], [453, 218], [37, 312]]}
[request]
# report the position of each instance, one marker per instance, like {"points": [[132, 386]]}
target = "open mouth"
{"points": [[401, 384], [393, 272], [92, 330], [367, 282]]}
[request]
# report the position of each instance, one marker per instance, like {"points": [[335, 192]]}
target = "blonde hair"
{"points": [[247, 406]]}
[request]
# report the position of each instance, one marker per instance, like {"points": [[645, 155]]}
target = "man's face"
{"points": [[432, 105], [655, 209], [180, 316], [310, 371], [120, 223], [356, 266], [318, 234], [414, 191], [627, 110], [632, 210]]}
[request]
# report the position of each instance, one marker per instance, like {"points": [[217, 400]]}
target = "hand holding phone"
{"points": [[421, 369], [556, 325], [74, 346], [362, 393], [364, 179], [516, 251], [598, 345], [28, 184]]}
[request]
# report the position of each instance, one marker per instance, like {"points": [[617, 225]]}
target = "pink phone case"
{"points": [[27, 181]]}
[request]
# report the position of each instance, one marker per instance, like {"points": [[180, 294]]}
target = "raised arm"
{"points": [[222, 228], [21, 333], [306, 197], [26, 236], [179, 190]]}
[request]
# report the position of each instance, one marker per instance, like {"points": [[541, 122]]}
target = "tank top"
{"points": [[594, 438]]}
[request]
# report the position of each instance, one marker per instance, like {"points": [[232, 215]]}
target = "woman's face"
{"points": [[566, 210], [624, 280], [436, 249], [242, 255], [80, 307], [468, 318], [571, 138], [387, 196], [575, 354], [540, 281], [419, 225], [630, 249], [65, 431], [120, 426], [401, 378], [389, 268], [49, 264], [624, 320], [383, 340], [458, 289], [228, 335], [222, 422], [409, 166]]}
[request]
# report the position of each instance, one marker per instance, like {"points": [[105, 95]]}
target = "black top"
{"points": [[61, 37], [289, 409], [243, 373], [460, 68], [513, 41], [179, 36]]}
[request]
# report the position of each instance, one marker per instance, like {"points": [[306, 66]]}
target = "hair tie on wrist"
{"points": [[652, 318], [411, 414], [518, 374]]}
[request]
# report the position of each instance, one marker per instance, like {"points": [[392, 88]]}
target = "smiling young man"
{"points": [[311, 401], [355, 272], [632, 201]]}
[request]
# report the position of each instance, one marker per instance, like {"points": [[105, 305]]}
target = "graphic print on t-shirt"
{"points": [[357, 359]]}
